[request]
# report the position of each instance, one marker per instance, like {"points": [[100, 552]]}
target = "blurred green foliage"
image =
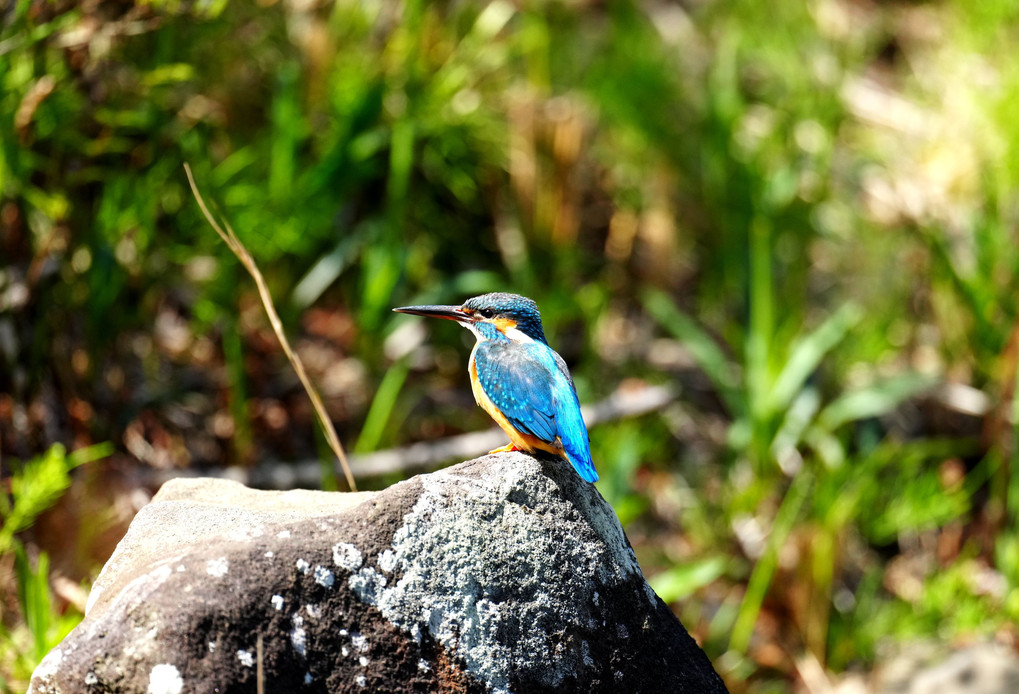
{"points": [[801, 213], [35, 486]]}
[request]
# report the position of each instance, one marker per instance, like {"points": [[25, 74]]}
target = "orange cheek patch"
{"points": [[504, 324]]}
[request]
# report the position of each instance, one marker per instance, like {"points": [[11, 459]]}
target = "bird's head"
{"points": [[491, 316]]}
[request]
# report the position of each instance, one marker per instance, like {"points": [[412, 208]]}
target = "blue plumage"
{"points": [[521, 310], [519, 379], [530, 385]]}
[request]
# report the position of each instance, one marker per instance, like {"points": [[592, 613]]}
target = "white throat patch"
{"points": [[514, 334], [517, 335], [470, 326]]}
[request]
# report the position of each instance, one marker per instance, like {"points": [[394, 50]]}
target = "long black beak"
{"points": [[448, 312]]}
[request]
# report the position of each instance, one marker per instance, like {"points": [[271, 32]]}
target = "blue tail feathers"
{"points": [[573, 435], [583, 466]]}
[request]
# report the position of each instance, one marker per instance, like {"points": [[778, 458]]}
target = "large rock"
{"points": [[506, 573]]}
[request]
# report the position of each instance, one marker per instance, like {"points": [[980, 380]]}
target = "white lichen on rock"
{"points": [[245, 533], [359, 642], [217, 567], [347, 556], [165, 679], [324, 577], [366, 584], [387, 561], [455, 570], [298, 635]]}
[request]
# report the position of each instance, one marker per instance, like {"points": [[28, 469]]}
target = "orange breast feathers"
{"points": [[523, 441]]}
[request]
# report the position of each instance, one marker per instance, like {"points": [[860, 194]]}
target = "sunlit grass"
{"points": [[802, 213]]}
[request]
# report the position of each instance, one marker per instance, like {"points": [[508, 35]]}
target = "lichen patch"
{"points": [[298, 635], [217, 568], [347, 556], [324, 577], [165, 679]]}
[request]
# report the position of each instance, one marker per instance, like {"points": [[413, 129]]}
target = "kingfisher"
{"points": [[521, 382]]}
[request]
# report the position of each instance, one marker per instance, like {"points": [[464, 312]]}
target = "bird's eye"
{"points": [[486, 312]]}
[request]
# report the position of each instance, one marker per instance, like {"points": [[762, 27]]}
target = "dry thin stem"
{"points": [[235, 245], [260, 672]]}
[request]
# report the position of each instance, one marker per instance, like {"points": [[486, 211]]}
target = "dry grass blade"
{"points": [[260, 672], [230, 239]]}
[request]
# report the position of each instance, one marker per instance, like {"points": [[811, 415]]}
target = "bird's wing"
{"points": [[572, 430], [531, 386], [520, 383]]}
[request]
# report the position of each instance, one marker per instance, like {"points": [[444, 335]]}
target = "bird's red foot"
{"points": [[505, 449]]}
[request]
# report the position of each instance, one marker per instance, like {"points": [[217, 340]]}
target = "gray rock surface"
{"points": [[506, 573]]}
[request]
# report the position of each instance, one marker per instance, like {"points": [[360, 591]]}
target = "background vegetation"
{"points": [[803, 215]]}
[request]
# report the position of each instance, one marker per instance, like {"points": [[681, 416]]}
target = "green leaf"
{"points": [[724, 374], [36, 485], [34, 597], [874, 400], [807, 352], [90, 454], [764, 569], [682, 580], [381, 408], [798, 417], [629, 508]]}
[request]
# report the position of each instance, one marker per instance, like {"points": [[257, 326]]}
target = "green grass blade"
{"points": [[764, 570], [36, 485], [706, 352], [807, 352], [34, 598], [798, 417], [381, 408], [761, 334], [90, 454], [682, 580], [873, 401]]}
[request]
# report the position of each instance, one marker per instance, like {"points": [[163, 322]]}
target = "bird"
{"points": [[521, 382]]}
